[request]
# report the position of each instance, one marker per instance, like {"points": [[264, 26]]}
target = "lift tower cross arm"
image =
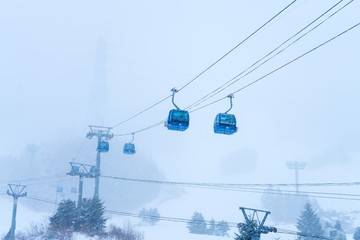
{"points": [[82, 170], [254, 224]]}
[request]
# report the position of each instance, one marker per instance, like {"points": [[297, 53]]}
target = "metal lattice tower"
{"points": [[99, 101], [254, 223], [102, 133], [15, 191], [296, 166]]}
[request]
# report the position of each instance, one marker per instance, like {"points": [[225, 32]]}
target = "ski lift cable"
{"points": [[281, 67], [239, 44], [141, 112], [172, 219], [257, 80], [253, 190], [209, 67], [291, 232], [141, 130], [241, 75], [290, 192], [229, 224], [41, 200], [168, 219], [236, 184], [63, 179], [80, 148], [55, 176]]}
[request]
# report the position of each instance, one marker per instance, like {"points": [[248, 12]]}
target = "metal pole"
{"points": [[101, 133], [297, 179], [296, 166], [13, 220], [97, 177], [16, 191], [79, 203]]}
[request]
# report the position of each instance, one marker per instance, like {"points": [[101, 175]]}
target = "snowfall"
{"points": [[26, 218]]}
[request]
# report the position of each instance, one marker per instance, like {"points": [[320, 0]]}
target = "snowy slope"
{"points": [[25, 216], [220, 205]]}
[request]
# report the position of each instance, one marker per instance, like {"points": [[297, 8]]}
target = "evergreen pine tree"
{"points": [[309, 224], [212, 227], [150, 216], [242, 235], [92, 219], [221, 228], [197, 224], [356, 235], [64, 217], [62, 222]]}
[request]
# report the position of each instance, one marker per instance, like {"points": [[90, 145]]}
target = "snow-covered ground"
{"points": [[219, 205], [25, 217], [227, 209]]}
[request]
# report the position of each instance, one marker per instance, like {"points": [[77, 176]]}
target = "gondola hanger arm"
{"points": [[231, 96], [174, 90]]}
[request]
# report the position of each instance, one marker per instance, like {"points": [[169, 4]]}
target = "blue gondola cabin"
{"points": [[225, 124], [129, 148], [103, 146], [178, 120]]}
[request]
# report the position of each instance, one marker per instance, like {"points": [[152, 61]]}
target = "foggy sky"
{"points": [[306, 112]]}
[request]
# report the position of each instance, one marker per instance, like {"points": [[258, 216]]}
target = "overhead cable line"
{"points": [[291, 232], [36, 178], [243, 188], [146, 109], [209, 67], [81, 146], [168, 219], [281, 67], [229, 224], [259, 79], [41, 200], [62, 179], [141, 130], [235, 184], [237, 77], [243, 41]]}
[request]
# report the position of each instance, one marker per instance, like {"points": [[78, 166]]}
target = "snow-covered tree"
{"points": [[197, 224], [309, 224], [150, 216], [92, 219], [62, 222], [212, 227], [242, 235], [64, 217], [356, 235], [221, 228]]}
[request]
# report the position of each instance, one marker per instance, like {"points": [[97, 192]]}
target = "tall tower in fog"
{"points": [[99, 101]]}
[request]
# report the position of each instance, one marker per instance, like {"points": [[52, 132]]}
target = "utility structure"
{"points": [[103, 135], [254, 226], [15, 191], [81, 170], [296, 166]]}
